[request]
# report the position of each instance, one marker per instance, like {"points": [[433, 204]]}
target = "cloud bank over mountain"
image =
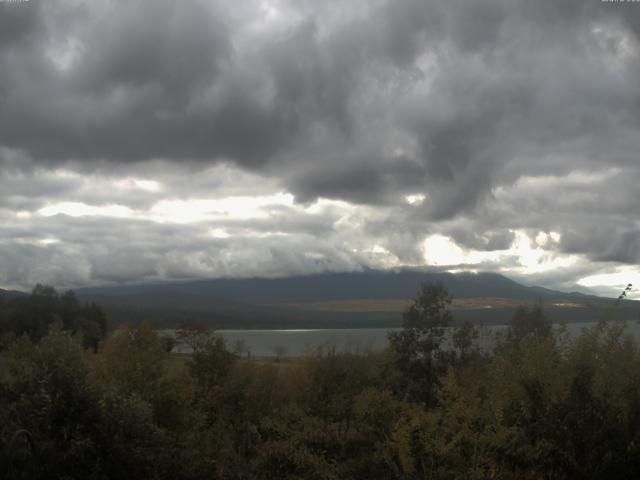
{"points": [[187, 139]]}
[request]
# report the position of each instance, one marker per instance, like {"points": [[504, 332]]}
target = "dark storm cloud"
{"points": [[486, 241], [18, 24], [165, 80], [175, 45], [168, 81], [144, 81], [360, 180], [504, 115], [625, 249]]}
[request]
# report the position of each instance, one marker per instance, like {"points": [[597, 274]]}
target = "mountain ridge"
{"points": [[9, 294], [340, 286], [371, 298]]}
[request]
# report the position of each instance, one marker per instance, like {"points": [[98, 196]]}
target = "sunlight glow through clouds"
{"points": [[78, 209], [219, 233], [576, 179], [377, 133], [138, 184], [442, 251], [64, 55], [48, 241], [417, 199], [270, 10], [616, 41], [616, 280], [245, 207], [534, 259], [526, 255]]}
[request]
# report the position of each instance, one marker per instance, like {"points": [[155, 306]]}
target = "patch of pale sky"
{"points": [[618, 279], [219, 233], [616, 41], [549, 182], [439, 250], [416, 199], [531, 257], [197, 210], [79, 209], [138, 184], [63, 54]]}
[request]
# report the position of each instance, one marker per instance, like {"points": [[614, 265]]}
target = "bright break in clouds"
{"points": [[144, 141]]}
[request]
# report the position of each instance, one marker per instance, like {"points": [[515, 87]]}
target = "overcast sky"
{"points": [[176, 139]]}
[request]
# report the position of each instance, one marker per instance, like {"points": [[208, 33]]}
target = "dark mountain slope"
{"points": [[282, 302], [9, 294], [330, 286]]}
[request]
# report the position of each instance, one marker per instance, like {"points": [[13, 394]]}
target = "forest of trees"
{"points": [[33, 315], [77, 404]]}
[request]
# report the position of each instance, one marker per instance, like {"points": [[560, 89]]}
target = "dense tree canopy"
{"points": [[34, 314], [537, 406]]}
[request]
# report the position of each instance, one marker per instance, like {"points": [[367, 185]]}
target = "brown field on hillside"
{"points": [[398, 305]]}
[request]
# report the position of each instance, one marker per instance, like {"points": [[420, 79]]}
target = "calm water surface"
{"points": [[265, 343]]}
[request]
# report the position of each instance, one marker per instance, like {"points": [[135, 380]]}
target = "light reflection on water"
{"points": [[266, 343]]}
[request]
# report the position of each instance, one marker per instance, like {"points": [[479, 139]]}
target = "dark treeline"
{"points": [[538, 407], [33, 315]]}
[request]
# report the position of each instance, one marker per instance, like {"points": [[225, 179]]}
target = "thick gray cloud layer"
{"points": [[504, 115]]}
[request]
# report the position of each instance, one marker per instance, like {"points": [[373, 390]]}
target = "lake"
{"points": [[267, 343]]}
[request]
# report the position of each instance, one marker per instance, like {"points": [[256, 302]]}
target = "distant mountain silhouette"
{"points": [[331, 286], [8, 294], [269, 302]]}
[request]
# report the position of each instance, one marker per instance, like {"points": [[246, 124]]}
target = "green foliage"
{"points": [[529, 322], [33, 315], [211, 363], [133, 360], [131, 444], [417, 345], [45, 393], [537, 407], [463, 341]]}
